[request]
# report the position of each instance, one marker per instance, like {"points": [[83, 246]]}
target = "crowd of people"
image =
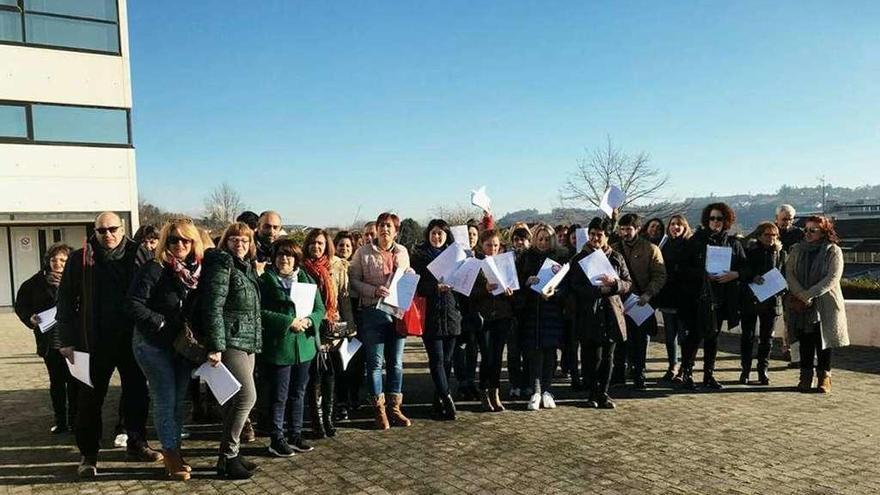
{"points": [[158, 306]]}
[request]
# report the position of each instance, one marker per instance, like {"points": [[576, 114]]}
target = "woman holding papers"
{"points": [[670, 299], [230, 314], [596, 280], [443, 318], [541, 325], [289, 342], [35, 296], [372, 267], [465, 353], [331, 275], [815, 314], [763, 254], [713, 289], [159, 302], [496, 312], [348, 380]]}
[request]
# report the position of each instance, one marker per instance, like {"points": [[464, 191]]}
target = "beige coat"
{"points": [[339, 273], [645, 263], [826, 295], [366, 271]]}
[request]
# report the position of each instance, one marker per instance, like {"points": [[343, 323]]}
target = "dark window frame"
{"points": [[23, 12], [30, 126]]}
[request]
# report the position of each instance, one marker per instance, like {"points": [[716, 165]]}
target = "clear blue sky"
{"points": [[318, 108]]}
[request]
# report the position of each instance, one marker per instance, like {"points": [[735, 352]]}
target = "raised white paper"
{"points": [[549, 276], [401, 290], [80, 367], [774, 283], [595, 265], [638, 314], [303, 297], [462, 280], [718, 259], [613, 198], [47, 319], [220, 380], [500, 270], [347, 350], [581, 236], [445, 264], [480, 199], [461, 236]]}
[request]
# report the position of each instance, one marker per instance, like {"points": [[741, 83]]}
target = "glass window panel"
{"points": [[13, 121], [45, 30], [10, 26], [94, 9], [11, 3], [79, 125]]}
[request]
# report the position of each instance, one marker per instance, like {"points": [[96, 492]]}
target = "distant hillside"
{"points": [[751, 209]]}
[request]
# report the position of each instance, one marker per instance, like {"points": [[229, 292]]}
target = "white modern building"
{"points": [[66, 150]]}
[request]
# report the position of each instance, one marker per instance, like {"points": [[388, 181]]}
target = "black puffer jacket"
{"points": [[157, 302], [34, 296], [541, 323], [443, 317]]}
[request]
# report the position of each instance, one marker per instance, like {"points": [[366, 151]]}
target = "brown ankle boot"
{"points": [[379, 411], [395, 414], [824, 383], [486, 401], [495, 400], [174, 465]]}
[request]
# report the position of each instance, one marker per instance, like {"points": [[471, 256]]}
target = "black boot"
{"points": [[327, 404], [710, 382], [317, 418], [232, 469], [437, 406], [448, 407], [687, 382], [763, 378]]}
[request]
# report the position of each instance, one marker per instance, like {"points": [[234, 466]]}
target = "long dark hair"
{"points": [[442, 225]]}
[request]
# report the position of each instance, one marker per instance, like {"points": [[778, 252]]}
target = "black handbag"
{"points": [[187, 345]]}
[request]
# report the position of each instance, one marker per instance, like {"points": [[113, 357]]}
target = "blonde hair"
{"points": [[184, 228], [547, 229], [239, 229], [684, 223], [207, 242]]}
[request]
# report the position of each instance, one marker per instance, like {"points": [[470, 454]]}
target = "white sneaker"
{"points": [[534, 402], [547, 400], [121, 440]]}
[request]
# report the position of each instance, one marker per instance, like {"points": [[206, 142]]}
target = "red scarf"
{"points": [[319, 269], [188, 274]]}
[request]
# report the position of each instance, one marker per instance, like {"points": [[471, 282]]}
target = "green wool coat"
{"points": [[230, 310], [281, 346]]}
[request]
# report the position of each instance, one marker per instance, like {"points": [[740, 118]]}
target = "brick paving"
{"points": [[742, 440]]}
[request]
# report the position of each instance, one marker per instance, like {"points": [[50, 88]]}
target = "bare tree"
{"points": [[222, 205], [633, 174], [456, 214]]}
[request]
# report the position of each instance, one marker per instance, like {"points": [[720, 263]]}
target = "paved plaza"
{"points": [[742, 440]]}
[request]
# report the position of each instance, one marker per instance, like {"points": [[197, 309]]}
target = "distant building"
{"points": [[66, 149], [858, 225]]}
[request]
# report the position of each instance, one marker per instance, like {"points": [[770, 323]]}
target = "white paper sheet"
{"points": [[774, 282], [595, 265], [220, 380], [613, 198], [462, 281], [639, 314], [80, 367], [501, 271], [445, 264], [481, 199], [460, 236], [663, 241], [549, 276], [402, 289], [347, 350], [718, 259], [581, 236], [303, 297], [47, 319]]}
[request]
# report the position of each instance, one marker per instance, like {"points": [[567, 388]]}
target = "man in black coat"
{"points": [[91, 319]]}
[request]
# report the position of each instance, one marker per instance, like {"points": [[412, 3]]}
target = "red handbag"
{"points": [[413, 321]]}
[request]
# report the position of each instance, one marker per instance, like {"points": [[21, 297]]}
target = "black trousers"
{"points": [[811, 347], [62, 388], [464, 358], [570, 349], [596, 360], [710, 348], [767, 320], [113, 355], [542, 366], [349, 380], [492, 339]]}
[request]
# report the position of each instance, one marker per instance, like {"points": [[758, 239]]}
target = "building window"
{"points": [[44, 123], [83, 25]]}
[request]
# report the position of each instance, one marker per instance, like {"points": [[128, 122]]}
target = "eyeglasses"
{"points": [[104, 230], [172, 240], [238, 240], [813, 230], [716, 219]]}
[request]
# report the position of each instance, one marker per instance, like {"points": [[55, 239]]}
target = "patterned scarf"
{"points": [[319, 269], [187, 272]]}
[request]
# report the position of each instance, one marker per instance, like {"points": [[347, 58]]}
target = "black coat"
{"points": [[708, 302], [157, 303], [444, 316], [599, 318], [541, 322], [672, 295], [760, 260], [34, 296]]}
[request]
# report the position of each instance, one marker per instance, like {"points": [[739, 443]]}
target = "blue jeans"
{"points": [[675, 333], [439, 350], [382, 346], [168, 376], [287, 383]]}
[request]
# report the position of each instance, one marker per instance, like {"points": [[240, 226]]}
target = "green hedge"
{"points": [[860, 288]]}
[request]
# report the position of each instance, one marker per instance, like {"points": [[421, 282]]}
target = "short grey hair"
{"points": [[785, 208]]}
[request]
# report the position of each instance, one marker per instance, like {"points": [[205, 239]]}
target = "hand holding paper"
{"points": [[597, 268], [220, 380], [772, 284], [611, 200]]}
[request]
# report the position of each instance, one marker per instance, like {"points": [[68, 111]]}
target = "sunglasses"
{"points": [[716, 219], [172, 240], [104, 230], [813, 230]]}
